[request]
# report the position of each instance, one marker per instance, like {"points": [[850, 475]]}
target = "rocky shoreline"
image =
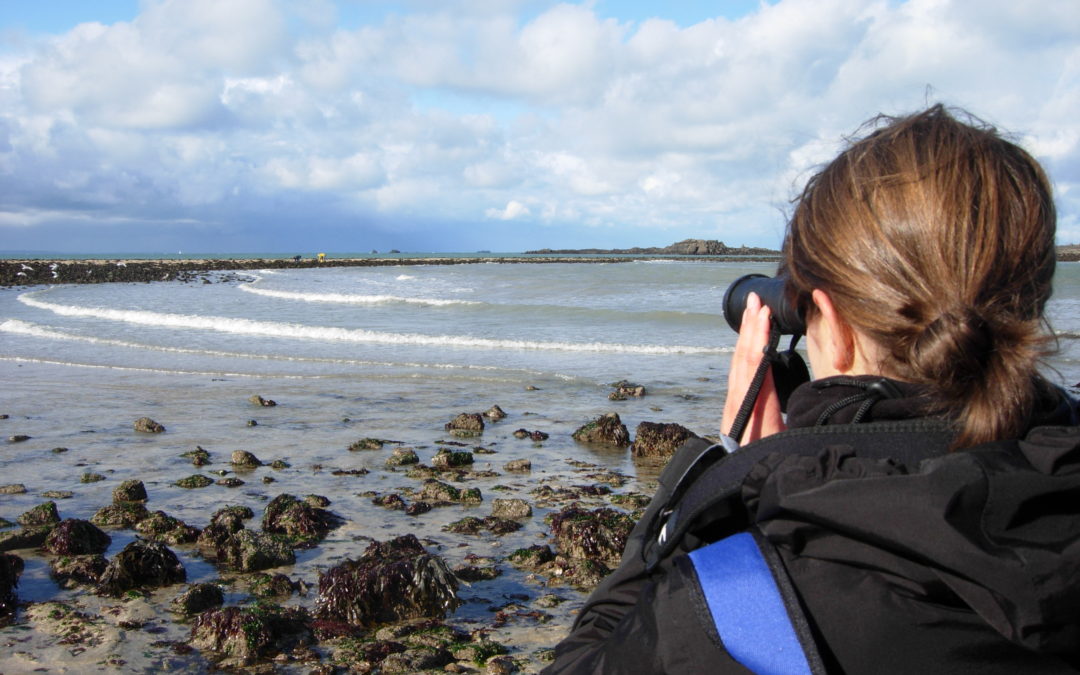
{"points": [[42, 271], [521, 547]]}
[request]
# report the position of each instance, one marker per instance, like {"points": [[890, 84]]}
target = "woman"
{"points": [[921, 513]]}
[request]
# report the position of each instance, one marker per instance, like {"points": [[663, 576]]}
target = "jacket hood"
{"points": [[995, 529]]}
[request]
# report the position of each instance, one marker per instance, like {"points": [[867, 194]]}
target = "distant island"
{"points": [[684, 247]]}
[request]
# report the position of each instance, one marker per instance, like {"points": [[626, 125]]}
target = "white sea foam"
{"points": [[404, 277], [350, 299], [353, 335], [18, 327]]}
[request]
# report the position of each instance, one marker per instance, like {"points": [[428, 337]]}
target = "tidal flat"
{"points": [[76, 445]]}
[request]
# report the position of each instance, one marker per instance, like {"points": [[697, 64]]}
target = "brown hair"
{"points": [[935, 238]]}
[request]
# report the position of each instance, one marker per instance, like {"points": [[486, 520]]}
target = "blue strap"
{"points": [[747, 608]]}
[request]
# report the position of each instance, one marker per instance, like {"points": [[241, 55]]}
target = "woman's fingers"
{"points": [[749, 350]]}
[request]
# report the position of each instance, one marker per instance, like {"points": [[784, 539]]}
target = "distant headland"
{"points": [[684, 247]]}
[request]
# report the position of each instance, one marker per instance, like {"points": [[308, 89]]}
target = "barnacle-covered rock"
{"points": [[141, 564], [604, 430], [76, 537], [392, 581], [654, 439]]}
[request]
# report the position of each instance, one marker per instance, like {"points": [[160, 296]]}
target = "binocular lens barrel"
{"points": [[785, 315]]}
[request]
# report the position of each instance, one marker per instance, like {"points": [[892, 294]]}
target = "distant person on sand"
{"points": [[918, 508]]}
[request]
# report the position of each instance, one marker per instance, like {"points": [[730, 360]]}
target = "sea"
{"points": [[389, 352]]}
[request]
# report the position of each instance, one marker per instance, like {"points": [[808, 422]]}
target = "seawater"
{"points": [[353, 352]]}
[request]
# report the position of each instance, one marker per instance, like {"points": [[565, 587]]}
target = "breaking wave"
{"points": [[353, 335]]}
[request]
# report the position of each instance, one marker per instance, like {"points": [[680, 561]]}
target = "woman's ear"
{"points": [[838, 337]]}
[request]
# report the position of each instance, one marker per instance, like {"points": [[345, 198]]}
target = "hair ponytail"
{"points": [[935, 238]]}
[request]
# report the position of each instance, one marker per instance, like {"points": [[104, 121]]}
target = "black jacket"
{"points": [[960, 562]]}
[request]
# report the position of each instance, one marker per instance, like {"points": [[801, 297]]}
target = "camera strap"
{"points": [[789, 371], [768, 356]]}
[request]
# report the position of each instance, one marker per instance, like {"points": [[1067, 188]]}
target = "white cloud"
{"points": [[566, 117], [514, 210]]}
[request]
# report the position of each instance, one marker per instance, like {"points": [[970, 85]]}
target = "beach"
{"points": [[363, 364]]}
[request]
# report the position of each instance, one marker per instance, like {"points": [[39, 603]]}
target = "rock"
{"points": [[538, 436], [13, 489], [262, 402], [194, 481], [243, 458], [30, 537], [659, 440], [159, 526], [129, 491], [598, 535], [198, 456], [58, 494], [279, 465], [58, 451], [417, 508], [402, 457], [42, 515], [71, 570], [223, 524], [392, 501], [121, 514], [392, 581], [248, 551], [198, 598], [76, 537], [500, 665], [437, 491], [148, 426], [261, 630], [367, 444], [533, 557], [447, 459], [271, 586], [141, 564], [521, 433], [11, 568], [518, 465], [605, 430], [473, 525], [466, 424], [230, 482], [626, 388], [472, 573], [18, 438], [511, 508], [91, 477], [301, 521], [416, 660], [495, 413]]}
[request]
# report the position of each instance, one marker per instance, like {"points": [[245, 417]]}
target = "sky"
{"points": [[293, 126]]}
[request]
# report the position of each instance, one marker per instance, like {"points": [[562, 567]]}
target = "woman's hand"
{"points": [[749, 350]]}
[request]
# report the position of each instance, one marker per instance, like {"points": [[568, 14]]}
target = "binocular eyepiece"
{"points": [[785, 315]]}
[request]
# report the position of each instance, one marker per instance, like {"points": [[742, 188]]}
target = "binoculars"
{"points": [[788, 367], [786, 317]]}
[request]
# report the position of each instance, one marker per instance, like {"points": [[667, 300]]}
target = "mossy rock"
{"points": [[198, 456], [658, 440], [120, 514], [604, 430], [130, 491], [261, 630], [42, 515], [160, 526], [367, 444], [300, 520], [195, 481]]}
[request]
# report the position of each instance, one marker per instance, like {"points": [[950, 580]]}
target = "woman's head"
{"points": [[935, 239]]}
